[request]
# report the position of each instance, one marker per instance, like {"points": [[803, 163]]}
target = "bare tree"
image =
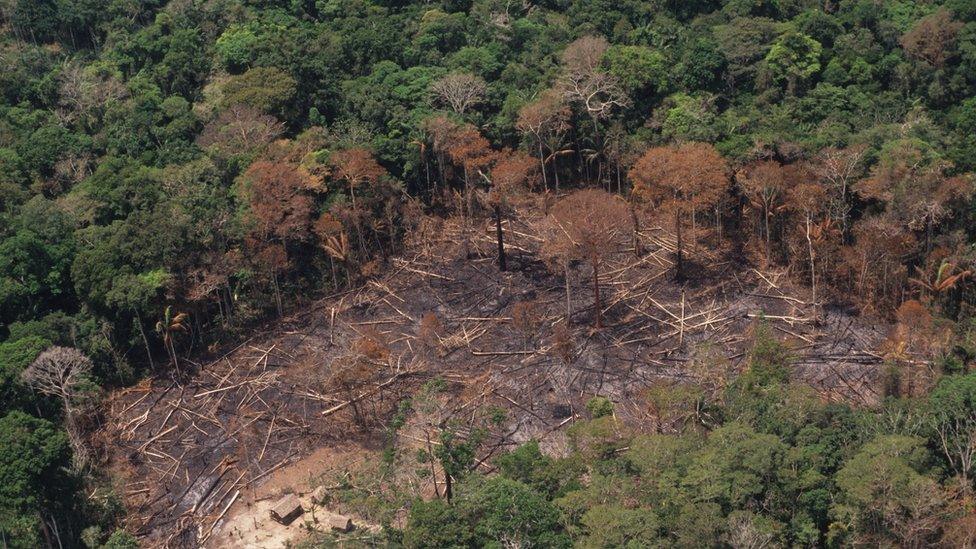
{"points": [[839, 169], [240, 129], [808, 197], [65, 373], [85, 92], [459, 91], [584, 80], [547, 121]]}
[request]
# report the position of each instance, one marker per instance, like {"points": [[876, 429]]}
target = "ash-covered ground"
{"points": [[188, 450]]}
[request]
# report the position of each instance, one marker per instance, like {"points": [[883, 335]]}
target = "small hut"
{"points": [[340, 523], [287, 509]]}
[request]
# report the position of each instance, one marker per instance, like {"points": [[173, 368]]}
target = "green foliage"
{"points": [[499, 509], [268, 89], [599, 407], [15, 356], [235, 48], [117, 200], [34, 456], [436, 524], [794, 59], [689, 118], [640, 69]]}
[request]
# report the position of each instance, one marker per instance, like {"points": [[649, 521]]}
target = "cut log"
{"points": [[287, 509]]}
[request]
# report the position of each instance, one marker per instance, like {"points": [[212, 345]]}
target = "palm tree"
{"points": [[942, 280], [167, 327]]}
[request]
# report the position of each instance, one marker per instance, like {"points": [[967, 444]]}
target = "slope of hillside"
{"points": [[332, 375]]}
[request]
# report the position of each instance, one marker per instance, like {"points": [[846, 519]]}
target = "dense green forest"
{"points": [[173, 173]]}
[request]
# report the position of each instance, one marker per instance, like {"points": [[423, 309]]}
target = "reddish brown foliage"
{"points": [[933, 39], [875, 267], [514, 171], [276, 193], [913, 187], [356, 166], [594, 223], [679, 179]]}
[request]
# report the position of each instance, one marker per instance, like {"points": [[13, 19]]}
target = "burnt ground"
{"points": [[186, 451]]}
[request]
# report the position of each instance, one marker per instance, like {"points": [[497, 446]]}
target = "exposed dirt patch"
{"points": [[248, 523]]}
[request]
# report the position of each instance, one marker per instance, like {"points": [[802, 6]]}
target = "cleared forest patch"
{"points": [[193, 451]]}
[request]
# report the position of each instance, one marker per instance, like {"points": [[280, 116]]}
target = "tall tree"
{"points": [[764, 184], [679, 179], [839, 169], [933, 38], [459, 91], [547, 120], [911, 181], [356, 166], [513, 171], [808, 197], [586, 82], [167, 327], [65, 373], [467, 149], [594, 223]]}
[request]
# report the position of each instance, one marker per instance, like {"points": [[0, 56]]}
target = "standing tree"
{"points": [[239, 130], [839, 169], [469, 150], [459, 91], [276, 191], [764, 184], [65, 373], [513, 171], [910, 180], [933, 38], [807, 197], [594, 90], [586, 82], [593, 223], [680, 179], [167, 327], [794, 59], [547, 120], [356, 166]]}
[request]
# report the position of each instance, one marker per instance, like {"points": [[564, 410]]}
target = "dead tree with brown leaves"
{"points": [[593, 223], [356, 166], [680, 180], [513, 172]]}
